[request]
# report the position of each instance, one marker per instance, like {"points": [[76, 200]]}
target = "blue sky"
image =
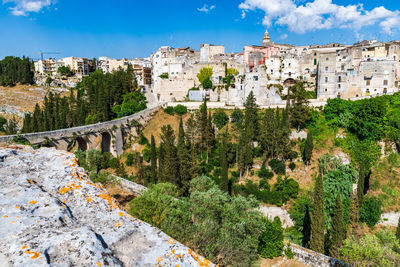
{"points": [[133, 28]]}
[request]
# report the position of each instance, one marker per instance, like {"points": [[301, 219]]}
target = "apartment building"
{"points": [[80, 66]]}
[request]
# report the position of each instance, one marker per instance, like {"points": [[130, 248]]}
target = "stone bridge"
{"points": [[110, 136]]}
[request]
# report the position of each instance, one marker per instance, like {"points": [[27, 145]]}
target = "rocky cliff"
{"points": [[51, 214]]}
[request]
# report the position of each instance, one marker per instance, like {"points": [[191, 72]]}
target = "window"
{"points": [[255, 78], [339, 86], [326, 68], [327, 59], [326, 90], [326, 79], [368, 82], [315, 61], [340, 79], [342, 67], [385, 82]]}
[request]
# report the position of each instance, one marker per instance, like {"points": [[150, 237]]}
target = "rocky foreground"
{"points": [[51, 214]]}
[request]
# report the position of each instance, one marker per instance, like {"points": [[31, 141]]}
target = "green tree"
{"points": [[184, 165], [153, 161], [317, 222], [220, 118], [299, 111], [338, 228], [308, 149], [170, 161], [204, 74], [271, 242], [65, 71], [224, 184]]}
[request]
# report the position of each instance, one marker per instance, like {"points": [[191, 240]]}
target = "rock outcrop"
{"points": [[51, 214]]}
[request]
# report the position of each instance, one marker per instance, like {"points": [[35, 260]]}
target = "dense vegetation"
{"points": [[14, 70], [97, 98]]}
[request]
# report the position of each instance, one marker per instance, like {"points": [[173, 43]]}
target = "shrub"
{"points": [[129, 159], [277, 166], [293, 155], [164, 76], [371, 211], [180, 109], [220, 118], [288, 252], [292, 166], [169, 110], [103, 177], [114, 163], [19, 139], [231, 226], [146, 154], [380, 249], [271, 242], [143, 140], [264, 173], [93, 160]]}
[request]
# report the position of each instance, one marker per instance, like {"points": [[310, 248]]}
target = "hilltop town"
{"points": [[367, 68]]}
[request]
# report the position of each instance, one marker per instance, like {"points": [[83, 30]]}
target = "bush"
{"points": [[164, 76], [292, 166], [169, 110], [293, 155], [231, 226], [180, 109], [19, 139], [381, 249], [288, 252], [220, 118], [129, 159], [264, 173], [93, 160], [143, 140], [277, 166], [103, 177], [271, 242], [371, 211], [114, 163]]}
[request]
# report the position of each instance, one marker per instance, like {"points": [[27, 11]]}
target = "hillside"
{"points": [[51, 214], [16, 100]]}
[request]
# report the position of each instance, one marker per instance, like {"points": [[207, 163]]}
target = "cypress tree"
{"points": [[170, 159], [160, 175], [210, 135], [203, 125], [317, 223], [338, 228], [224, 184], [251, 116], [306, 228], [153, 161], [184, 168], [308, 149], [360, 184]]}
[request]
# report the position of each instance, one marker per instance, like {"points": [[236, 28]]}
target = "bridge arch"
{"points": [[82, 144], [106, 142]]}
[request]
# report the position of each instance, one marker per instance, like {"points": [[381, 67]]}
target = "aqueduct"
{"points": [[110, 136]]}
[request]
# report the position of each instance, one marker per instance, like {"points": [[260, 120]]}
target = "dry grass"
{"points": [[159, 120], [21, 98], [281, 262]]}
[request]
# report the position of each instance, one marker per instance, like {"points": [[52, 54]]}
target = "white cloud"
{"points": [[321, 14], [284, 36], [23, 7], [206, 9]]}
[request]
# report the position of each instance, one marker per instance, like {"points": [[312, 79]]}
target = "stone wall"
{"points": [[313, 258]]}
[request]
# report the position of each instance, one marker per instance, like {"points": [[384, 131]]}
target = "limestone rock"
{"points": [[51, 214]]}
